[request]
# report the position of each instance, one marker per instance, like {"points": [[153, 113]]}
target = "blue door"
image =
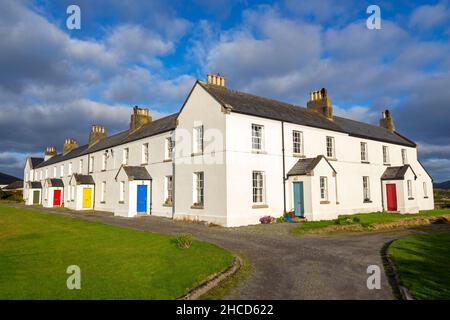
{"points": [[141, 198], [299, 205]]}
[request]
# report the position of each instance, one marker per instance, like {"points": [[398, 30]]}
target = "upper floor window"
{"points": [[364, 152], [41, 175], [366, 189], [54, 172], [62, 170], [104, 160], [330, 147], [46, 173], [410, 188], [169, 148], [198, 140], [144, 153], [125, 155], [297, 142], [258, 187], [91, 164], [425, 191], [70, 169], [199, 189], [26, 176], [323, 188], [257, 137], [404, 156], [80, 168], [385, 155]]}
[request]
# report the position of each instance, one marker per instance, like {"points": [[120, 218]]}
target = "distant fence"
{"points": [[442, 204]]}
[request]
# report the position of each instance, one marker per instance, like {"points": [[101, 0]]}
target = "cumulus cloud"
{"points": [[430, 16]]}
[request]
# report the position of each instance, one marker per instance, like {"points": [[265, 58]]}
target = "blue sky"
{"points": [[55, 83]]}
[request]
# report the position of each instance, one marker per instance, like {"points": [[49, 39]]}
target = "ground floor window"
{"points": [[366, 189], [73, 193], [103, 192], [258, 187], [122, 191], [410, 191], [169, 188], [323, 188], [198, 189], [425, 191]]}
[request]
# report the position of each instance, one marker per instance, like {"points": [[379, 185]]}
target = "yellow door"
{"points": [[87, 198]]}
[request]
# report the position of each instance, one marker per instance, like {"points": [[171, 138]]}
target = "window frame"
{"points": [[258, 187], [168, 152], [122, 192], [198, 139], [199, 189], [297, 142], [91, 164], [102, 192], [386, 159], [364, 151], [169, 190], [145, 153], [425, 189], [125, 156], [257, 137], [409, 187], [331, 148], [366, 189], [404, 156], [323, 188], [62, 171]]}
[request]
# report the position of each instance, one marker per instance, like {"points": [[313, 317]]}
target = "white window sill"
{"points": [[259, 151]]}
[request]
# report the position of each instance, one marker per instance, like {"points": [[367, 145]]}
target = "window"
{"points": [[80, 169], [297, 142], [258, 187], [70, 169], [257, 137], [26, 176], [54, 172], [323, 188], [169, 186], [330, 147], [169, 148], [73, 193], [46, 173], [404, 156], [198, 140], [425, 191], [199, 189], [41, 175], [91, 164], [62, 170], [104, 159], [410, 191], [122, 191], [32, 175], [385, 155], [366, 189], [125, 155], [145, 153], [103, 192], [364, 152]]}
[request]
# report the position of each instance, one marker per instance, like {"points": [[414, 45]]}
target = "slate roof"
{"points": [[57, 183], [153, 128], [136, 173], [15, 185], [35, 184], [36, 161], [83, 178], [249, 104], [396, 173], [305, 166]]}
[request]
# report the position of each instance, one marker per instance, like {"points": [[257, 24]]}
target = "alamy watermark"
{"points": [[373, 22], [74, 280], [74, 19], [374, 280]]}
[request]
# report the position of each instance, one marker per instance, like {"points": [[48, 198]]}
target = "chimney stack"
{"points": [[49, 152], [97, 133], [386, 121], [320, 102], [216, 79], [69, 144], [139, 118]]}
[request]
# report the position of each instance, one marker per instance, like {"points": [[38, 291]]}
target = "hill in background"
{"points": [[6, 179]]}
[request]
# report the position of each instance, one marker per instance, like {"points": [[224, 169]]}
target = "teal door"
{"points": [[299, 205]]}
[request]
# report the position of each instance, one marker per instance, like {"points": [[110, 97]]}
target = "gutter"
{"points": [[173, 173]]}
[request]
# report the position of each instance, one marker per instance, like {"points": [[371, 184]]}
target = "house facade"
{"points": [[229, 158]]}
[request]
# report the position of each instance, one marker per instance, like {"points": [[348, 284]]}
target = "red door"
{"points": [[57, 198], [391, 193]]}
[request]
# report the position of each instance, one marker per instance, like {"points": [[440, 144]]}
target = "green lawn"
{"points": [[423, 264], [115, 263], [364, 219]]}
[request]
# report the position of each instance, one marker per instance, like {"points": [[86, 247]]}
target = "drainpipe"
{"points": [[382, 195], [173, 173], [284, 167]]}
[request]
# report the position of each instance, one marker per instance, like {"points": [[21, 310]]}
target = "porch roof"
{"points": [[83, 178], [305, 166], [35, 185], [397, 173], [57, 183], [136, 173]]}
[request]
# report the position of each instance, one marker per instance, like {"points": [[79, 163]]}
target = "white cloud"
{"points": [[430, 16]]}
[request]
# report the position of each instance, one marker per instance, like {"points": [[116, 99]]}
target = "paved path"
{"points": [[284, 266]]}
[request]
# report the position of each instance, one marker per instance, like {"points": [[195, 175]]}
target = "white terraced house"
{"points": [[229, 158]]}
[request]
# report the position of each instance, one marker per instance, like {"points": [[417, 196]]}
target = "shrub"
{"points": [[356, 220], [184, 241], [266, 219], [280, 220]]}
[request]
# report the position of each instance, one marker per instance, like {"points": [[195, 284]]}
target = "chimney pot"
{"points": [[216, 79], [49, 152], [386, 121], [139, 117], [320, 102], [97, 133], [69, 144]]}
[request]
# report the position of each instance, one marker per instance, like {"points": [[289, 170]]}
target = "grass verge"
{"points": [[116, 263], [422, 262], [363, 222]]}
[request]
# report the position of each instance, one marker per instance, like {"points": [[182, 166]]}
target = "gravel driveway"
{"points": [[284, 266]]}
